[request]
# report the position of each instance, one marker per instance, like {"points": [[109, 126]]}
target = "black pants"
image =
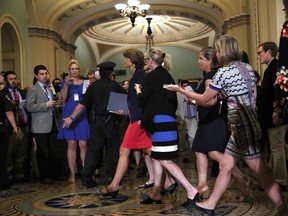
{"points": [[102, 133], [4, 143], [48, 154]]}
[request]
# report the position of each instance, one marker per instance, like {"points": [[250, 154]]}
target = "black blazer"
{"points": [[266, 96]]}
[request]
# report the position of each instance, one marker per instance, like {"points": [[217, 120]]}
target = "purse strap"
{"points": [[245, 74]]}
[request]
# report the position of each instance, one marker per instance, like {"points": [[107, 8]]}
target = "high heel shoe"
{"points": [[209, 212], [113, 194], [148, 200], [191, 202], [203, 190]]}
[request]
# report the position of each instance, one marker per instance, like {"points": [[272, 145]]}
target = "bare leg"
{"points": [[83, 148], [137, 156], [71, 156], [121, 169], [226, 165], [155, 194], [175, 170], [149, 165], [202, 167], [272, 189]]}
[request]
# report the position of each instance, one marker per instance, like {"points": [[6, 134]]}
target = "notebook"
{"points": [[117, 101]]}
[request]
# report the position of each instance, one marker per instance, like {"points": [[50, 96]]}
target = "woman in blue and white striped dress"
{"points": [[159, 107]]}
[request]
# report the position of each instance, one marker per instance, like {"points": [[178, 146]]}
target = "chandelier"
{"points": [[132, 9], [149, 37]]}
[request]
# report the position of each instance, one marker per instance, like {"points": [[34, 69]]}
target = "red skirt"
{"points": [[136, 137]]}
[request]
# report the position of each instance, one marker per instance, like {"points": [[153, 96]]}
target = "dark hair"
{"points": [[184, 81], [8, 73], [245, 57], [135, 56], [64, 75], [39, 67], [270, 45], [210, 54]]}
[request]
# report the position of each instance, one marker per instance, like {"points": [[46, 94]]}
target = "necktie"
{"points": [[15, 95], [19, 115], [46, 92], [188, 111]]}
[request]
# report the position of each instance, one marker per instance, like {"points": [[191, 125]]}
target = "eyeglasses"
{"points": [[72, 69], [258, 53]]}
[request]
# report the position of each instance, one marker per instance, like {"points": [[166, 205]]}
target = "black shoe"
{"points": [[90, 184], [148, 200], [191, 202], [112, 194], [283, 188], [169, 189], [5, 187], [186, 160], [46, 181], [209, 212], [146, 186]]}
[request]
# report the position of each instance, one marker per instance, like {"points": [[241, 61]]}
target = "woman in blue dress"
{"points": [[71, 93]]}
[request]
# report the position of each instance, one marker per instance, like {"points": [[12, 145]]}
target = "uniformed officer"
{"points": [[6, 114], [104, 131]]}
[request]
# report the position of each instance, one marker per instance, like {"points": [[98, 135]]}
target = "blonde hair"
{"points": [[73, 61], [229, 49], [159, 57]]}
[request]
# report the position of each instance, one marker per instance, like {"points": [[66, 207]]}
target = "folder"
{"points": [[117, 101]]}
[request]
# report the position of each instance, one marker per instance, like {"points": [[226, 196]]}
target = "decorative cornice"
{"points": [[209, 4], [78, 8], [235, 21], [35, 31]]}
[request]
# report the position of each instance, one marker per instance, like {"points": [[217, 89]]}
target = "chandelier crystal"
{"points": [[132, 9]]}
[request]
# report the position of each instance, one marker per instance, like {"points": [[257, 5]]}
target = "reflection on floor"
{"points": [[62, 199]]}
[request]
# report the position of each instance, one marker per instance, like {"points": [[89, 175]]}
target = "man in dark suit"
{"points": [[18, 146], [267, 53], [44, 129]]}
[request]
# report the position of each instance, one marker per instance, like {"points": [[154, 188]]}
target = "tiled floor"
{"points": [[62, 199]]}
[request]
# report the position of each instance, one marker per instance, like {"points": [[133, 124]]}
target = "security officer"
{"points": [[7, 115], [104, 131]]}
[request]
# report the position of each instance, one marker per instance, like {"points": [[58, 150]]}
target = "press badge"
{"points": [[76, 97]]}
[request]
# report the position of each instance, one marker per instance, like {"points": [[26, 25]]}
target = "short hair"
{"points": [[183, 82], [210, 54], [38, 68], [159, 57], [135, 56], [270, 45], [7, 73], [229, 49]]}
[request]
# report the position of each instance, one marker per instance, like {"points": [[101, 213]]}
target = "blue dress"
{"points": [[79, 128]]}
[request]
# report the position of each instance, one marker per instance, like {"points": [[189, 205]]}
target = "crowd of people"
{"points": [[42, 127]]}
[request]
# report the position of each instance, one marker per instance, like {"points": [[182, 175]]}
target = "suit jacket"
{"points": [[266, 95], [41, 115]]}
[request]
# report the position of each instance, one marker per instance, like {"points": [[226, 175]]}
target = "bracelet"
{"points": [[71, 118]]}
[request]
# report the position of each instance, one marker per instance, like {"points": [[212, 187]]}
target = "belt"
{"points": [[105, 118]]}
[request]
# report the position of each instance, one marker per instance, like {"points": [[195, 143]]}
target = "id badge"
{"points": [[76, 97]]}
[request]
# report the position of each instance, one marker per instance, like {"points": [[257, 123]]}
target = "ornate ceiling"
{"points": [[183, 23]]}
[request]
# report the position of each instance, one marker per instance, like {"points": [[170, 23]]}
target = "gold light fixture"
{"points": [[132, 9]]}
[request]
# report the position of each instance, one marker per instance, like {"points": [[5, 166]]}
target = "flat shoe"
{"points": [[146, 186], [148, 200], [169, 189], [113, 194], [209, 212]]}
